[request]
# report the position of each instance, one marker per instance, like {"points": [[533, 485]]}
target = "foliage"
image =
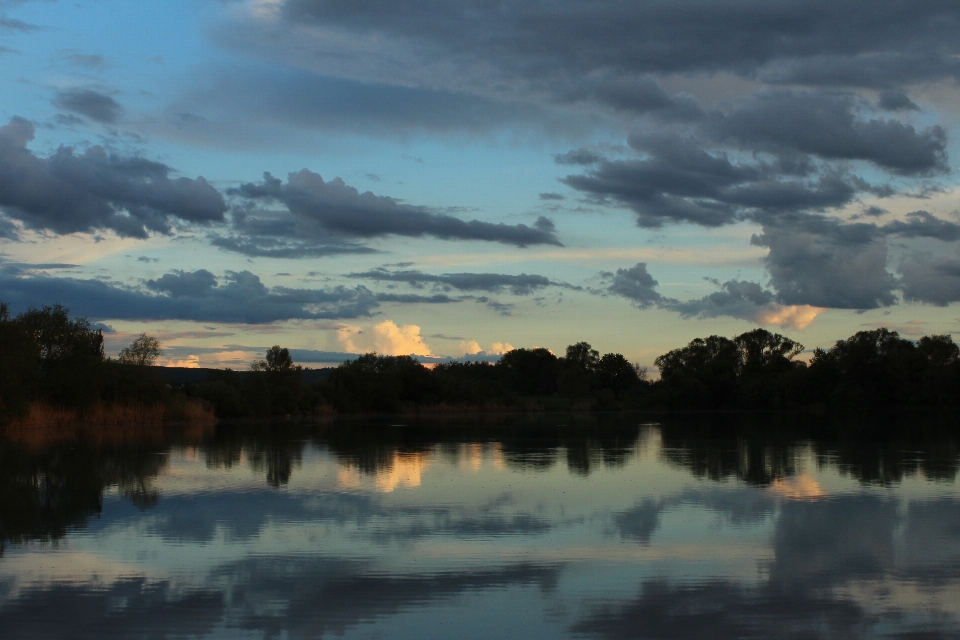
{"points": [[142, 352], [70, 355], [19, 368], [46, 357], [278, 361]]}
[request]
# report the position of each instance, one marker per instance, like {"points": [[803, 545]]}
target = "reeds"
{"points": [[115, 413]]}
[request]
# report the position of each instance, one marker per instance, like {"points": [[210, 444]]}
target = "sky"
{"points": [[459, 178]]}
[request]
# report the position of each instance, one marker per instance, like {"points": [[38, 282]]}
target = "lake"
{"points": [[627, 526]]}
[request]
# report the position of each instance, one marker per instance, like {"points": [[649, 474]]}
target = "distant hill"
{"points": [[179, 376]]}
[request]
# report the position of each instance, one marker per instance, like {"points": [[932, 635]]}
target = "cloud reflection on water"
{"points": [[664, 533]]}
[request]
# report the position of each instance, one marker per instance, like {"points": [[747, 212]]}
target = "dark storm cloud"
{"points": [[885, 70], [183, 295], [824, 262], [87, 102], [923, 224], [337, 208], [736, 298], [184, 283], [580, 36], [797, 143], [826, 125], [8, 230], [925, 278], [821, 262], [667, 188], [894, 100], [635, 284], [627, 93], [577, 156], [521, 285], [680, 181], [818, 261], [95, 190]]}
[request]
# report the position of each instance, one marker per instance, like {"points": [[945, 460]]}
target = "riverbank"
{"points": [[118, 413]]}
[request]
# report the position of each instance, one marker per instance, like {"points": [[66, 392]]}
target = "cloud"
{"points": [[473, 69], [87, 60], [775, 151], [411, 298], [929, 279], [824, 124], [520, 285], [735, 299], [500, 348], [819, 261], [92, 104], [335, 208], [577, 156], [470, 347], [12, 24], [815, 263], [551, 44], [636, 284], [747, 301], [95, 190], [385, 338], [183, 295], [472, 351], [679, 181], [895, 100], [223, 101], [923, 224], [503, 308], [267, 247]]}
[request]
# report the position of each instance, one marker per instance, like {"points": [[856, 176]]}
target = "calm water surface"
{"points": [[626, 527]]}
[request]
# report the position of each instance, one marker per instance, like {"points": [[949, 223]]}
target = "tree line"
{"points": [[757, 370], [53, 361], [48, 357]]}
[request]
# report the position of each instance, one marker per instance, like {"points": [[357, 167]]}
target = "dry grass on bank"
{"points": [[115, 414]]}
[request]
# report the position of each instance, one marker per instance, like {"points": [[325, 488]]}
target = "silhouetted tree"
{"points": [[762, 351], [19, 368], [701, 375], [278, 360], [142, 352], [583, 355], [71, 354], [530, 371], [616, 373], [870, 368]]}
